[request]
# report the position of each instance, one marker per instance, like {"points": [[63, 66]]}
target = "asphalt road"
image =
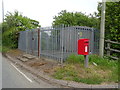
{"points": [[14, 77], [0, 71]]}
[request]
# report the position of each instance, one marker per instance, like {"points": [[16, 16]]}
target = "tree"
{"points": [[112, 22], [75, 19], [13, 23]]}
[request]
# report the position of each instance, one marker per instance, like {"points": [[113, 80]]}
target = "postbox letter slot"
{"points": [[86, 42]]}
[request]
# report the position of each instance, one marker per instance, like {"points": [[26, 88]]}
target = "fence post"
{"points": [[92, 41], [61, 26], [26, 32], [38, 42], [108, 48]]}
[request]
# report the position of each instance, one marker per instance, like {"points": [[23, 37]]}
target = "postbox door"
{"points": [[83, 46]]}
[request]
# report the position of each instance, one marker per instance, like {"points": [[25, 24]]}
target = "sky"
{"points": [[44, 10]]}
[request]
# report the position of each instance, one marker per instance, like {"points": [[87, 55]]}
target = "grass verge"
{"points": [[101, 70]]}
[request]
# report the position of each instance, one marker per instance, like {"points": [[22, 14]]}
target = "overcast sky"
{"points": [[44, 10]]}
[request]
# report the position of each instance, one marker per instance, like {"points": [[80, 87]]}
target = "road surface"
{"points": [[14, 77], [0, 71]]}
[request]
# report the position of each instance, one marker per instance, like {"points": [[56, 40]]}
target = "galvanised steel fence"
{"points": [[57, 42]]}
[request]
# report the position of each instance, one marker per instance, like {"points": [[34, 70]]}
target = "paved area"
{"points": [[0, 71]]}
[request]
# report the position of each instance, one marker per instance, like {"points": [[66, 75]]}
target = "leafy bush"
{"points": [[13, 23], [112, 23], [75, 19]]}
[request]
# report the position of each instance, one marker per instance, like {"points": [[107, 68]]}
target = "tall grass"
{"points": [[105, 70], [75, 59], [104, 62]]}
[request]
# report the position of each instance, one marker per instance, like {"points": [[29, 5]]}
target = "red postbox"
{"points": [[83, 46]]}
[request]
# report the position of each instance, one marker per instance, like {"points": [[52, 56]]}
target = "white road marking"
{"points": [[21, 73]]}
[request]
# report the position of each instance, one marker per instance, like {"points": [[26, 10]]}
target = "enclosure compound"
{"points": [[57, 42]]}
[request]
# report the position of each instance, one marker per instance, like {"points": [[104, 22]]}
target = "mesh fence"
{"points": [[57, 42]]}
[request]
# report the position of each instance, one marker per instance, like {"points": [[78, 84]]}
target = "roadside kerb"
{"points": [[71, 84]]}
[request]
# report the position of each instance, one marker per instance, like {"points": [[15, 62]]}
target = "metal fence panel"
{"points": [[57, 42], [22, 41]]}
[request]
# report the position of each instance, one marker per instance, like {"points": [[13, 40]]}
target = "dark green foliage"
{"points": [[13, 23], [75, 19], [112, 22]]}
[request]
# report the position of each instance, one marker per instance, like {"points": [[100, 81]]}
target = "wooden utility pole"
{"points": [[102, 30], [2, 11]]}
